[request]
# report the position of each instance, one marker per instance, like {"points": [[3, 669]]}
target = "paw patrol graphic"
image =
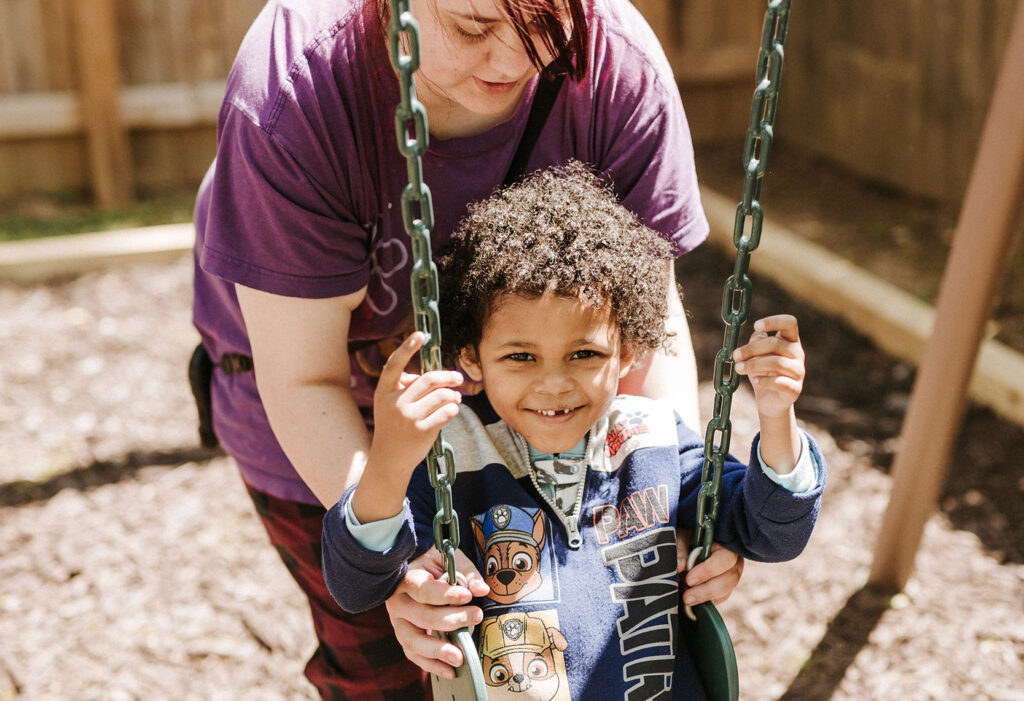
{"points": [[632, 424], [521, 657], [510, 541]]}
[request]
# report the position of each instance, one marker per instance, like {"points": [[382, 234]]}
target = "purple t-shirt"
{"points": [[304, 199]]}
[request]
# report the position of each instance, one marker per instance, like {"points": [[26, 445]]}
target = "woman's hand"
{"points": [[425, 602], [711, 580]]}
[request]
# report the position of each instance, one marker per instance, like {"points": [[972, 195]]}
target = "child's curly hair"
{"points": [[559, 230]]}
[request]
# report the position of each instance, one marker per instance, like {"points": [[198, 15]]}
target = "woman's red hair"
{"points": [[548, 35], [549, 27]]}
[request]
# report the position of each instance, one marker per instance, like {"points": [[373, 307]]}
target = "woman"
{"points": [[302, 262]]}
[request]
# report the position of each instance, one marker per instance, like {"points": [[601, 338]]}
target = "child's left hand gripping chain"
{"points": [[409, 411], [773, 360]]}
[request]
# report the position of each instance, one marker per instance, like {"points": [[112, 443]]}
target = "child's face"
{"points": [[550, 365]]}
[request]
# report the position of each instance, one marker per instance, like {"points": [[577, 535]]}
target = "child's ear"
{"points": [[627, 355], [470, 364]]}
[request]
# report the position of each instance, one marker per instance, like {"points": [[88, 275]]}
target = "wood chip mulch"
{"points": [[132, 565]]}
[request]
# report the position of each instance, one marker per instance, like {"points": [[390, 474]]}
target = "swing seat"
{"points": [[469, 677], [711, 650]]}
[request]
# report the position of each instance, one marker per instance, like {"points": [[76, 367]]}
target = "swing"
{"points": [[702, 627]]}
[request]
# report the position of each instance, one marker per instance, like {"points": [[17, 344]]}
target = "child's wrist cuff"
{"points": [[804, 476], [378, 536]]}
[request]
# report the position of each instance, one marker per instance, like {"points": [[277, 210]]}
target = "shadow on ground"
{"points": [[847, 633], [99, 473]]}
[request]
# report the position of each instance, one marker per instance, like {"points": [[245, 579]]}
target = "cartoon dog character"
{"points": [[510, 541], [517, 656]]}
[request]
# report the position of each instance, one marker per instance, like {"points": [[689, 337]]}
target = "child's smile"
{"points": [[556, 412], [550, 366]]}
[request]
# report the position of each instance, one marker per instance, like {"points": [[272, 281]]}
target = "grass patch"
{"points": [[62, 213]]}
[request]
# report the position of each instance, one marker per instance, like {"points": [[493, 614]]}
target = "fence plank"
{"points": [[143, 107], [175, 106], [174, 159], [39, 115], [895, 91], [714, 63], [7, 84], [99, 78], [142, 46], [22, 59], [28, 165], [56, 43], [183, 45], [205, 25]]}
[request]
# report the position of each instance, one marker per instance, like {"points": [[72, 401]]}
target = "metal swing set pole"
{"points": [[991, 208]]}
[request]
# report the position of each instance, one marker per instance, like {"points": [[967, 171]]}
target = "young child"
{"points": [[569, 496]]}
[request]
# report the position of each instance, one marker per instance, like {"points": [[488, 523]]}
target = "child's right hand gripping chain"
{"points": [[409, 411], [773, 360]]}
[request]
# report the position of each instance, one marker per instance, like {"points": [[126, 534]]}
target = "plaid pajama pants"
{"points": [[358, 657]]}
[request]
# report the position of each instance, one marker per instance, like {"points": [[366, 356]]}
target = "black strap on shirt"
{"points": [[548, 86]]}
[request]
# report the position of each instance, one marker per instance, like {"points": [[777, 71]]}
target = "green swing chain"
{"points": [[412, 115], [738, 288]]}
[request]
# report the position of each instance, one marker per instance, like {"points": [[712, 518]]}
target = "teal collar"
{"points": [[578, 451]]}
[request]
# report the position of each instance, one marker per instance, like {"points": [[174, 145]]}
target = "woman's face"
{"points": [[473, 67]]}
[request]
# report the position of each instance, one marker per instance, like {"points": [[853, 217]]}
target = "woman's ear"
{"points": [[470, 364]]}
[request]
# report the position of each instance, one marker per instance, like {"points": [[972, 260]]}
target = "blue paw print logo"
{"points": [[630, 424], [636, 418]]}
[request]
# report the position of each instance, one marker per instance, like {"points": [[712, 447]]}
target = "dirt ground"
{"points": [[132, 566]]}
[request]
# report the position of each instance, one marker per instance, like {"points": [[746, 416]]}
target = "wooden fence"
{"points": [[123, 94], [897, 90], [712, 46], [116, 94]]}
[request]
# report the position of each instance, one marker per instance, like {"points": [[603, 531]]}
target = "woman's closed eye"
{"points": [[476, 35]]}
